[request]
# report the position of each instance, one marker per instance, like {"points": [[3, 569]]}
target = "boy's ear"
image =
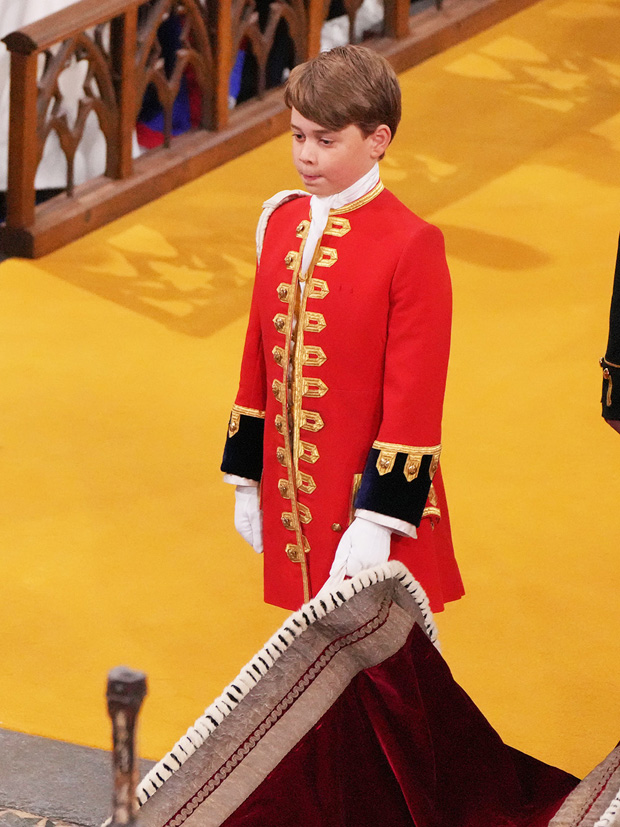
{"points": [[380, 140]]}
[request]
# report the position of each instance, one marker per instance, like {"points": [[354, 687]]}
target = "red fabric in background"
{"points": [[404, 745]]}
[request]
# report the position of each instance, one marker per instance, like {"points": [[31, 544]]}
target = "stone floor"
{"points": [[17, 818], [48, 783]]}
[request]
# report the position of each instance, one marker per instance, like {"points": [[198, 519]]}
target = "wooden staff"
{"points": [[125, 693]]}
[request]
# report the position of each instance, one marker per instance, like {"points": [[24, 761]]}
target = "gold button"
{"points": [[336, 527]]}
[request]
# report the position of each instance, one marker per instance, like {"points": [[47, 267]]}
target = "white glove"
{"points": [[363, 545], [248, 516]]}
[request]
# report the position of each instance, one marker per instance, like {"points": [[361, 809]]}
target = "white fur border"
{"points": [[611, 816], [269, 654]]}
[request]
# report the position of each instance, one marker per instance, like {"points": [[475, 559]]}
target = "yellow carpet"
{"points": [[119, 361]]}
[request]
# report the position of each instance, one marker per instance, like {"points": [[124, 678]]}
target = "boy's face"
{"points": [[329, 162]]}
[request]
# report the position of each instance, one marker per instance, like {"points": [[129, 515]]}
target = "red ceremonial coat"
{"points": [[341, 392]]}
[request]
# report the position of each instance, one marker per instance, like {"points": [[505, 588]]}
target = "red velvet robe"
{"points": [[357, 421]]}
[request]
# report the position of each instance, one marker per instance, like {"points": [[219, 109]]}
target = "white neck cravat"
{"points": [[320, 207]]}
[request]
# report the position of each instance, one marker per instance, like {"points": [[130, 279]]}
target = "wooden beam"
{"points": [[66, 23]]}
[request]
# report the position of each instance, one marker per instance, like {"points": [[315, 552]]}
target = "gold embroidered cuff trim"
{"points": [[279, 391], [311, 421], [278, 356], [235, 417], [308, 452], [328, 257], [313, 355], [317, 289], [248, 411], [305, 483], [365, 199], [290, 259], [302, 228], [388, 452], [314, 322], [337, 226], [315, 388], [283, 291]]}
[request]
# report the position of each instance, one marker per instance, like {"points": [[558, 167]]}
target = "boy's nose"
{"points": [[307, 154]]}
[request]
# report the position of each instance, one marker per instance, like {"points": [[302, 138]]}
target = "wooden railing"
{"points": [[118, 40]]}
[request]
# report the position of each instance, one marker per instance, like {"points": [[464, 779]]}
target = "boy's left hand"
{"points": [[364, 544]]}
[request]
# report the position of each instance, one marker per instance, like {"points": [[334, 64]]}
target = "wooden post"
{"points": [[221, 27], [123, 46], [125, 693], [23, 141], [396, 18], [316, 14]]}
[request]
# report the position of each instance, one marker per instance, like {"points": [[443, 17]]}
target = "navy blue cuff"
{"points": [[392, 493], [243, 452]]}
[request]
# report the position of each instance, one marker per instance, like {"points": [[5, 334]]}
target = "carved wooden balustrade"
{"points": [[116, 43]]}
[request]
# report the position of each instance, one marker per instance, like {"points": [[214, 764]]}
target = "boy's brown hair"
{"points": [[347, 85]]}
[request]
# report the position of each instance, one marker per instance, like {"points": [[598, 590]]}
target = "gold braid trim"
{"points": [[365, 199], [389, 450], [235, 417]]}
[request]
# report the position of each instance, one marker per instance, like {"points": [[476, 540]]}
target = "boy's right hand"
{"points": [[248, 516]]}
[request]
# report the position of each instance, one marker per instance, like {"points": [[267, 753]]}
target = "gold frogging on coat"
{"points": [[328, 256], [317, 289], [283, 290], [278, 356], [290, 259], [314, 322], [305, 483], [279, 322], [302, 228], [308, 452], [313, 387], [313, 356], [279, 391], [288, 519], [337, 226], [295, 553], [311, 421]]}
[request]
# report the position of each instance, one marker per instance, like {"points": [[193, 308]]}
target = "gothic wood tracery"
{"points": [[99, 97], [195, 51]]}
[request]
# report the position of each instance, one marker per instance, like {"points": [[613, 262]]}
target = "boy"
{"points": [[338, 414]]}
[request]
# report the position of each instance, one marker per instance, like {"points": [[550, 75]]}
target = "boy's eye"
{"points": [[326, 141], [297, 136]]}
